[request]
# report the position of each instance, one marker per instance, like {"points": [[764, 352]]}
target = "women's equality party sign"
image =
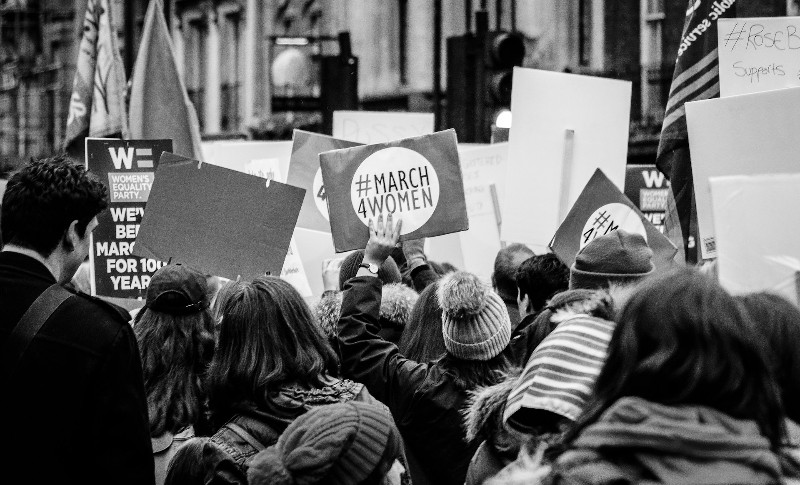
{"points": [[416, 179]]}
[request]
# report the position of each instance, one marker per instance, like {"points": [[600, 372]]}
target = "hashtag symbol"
{"points": [[737, 33], [602, 218], [362, 185]]}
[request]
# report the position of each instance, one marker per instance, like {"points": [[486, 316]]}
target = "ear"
{"points": [[71, 236]]}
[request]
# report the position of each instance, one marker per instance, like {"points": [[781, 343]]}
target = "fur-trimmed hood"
{"points": [[483, 410], [397, 300]]}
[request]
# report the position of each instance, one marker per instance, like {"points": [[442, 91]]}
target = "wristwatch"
{"points": [[372, 268]]}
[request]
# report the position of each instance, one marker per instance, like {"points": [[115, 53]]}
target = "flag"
{"points": [[159, 104], [696, 77], [97, 103]]}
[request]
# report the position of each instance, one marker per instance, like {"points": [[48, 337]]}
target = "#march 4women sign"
{"points": [[417, 180]]}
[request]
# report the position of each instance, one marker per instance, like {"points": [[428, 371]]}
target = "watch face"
{"points": [[373, 268]]}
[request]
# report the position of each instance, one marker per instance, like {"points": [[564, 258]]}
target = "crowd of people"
{"points": [[406, 370]]}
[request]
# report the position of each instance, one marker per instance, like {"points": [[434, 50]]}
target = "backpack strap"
{"points": [[250, 439], [28, 326]]}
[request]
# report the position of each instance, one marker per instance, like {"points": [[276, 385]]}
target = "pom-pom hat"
{"points": [[475, 321]]}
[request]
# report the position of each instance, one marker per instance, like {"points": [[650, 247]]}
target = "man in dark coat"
{"points": [[73, 408]]}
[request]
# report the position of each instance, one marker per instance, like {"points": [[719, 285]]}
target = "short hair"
{"points": [[539, 278], [42, 200], [681, 339], [267, 337], [176, 351], [506, 263]]}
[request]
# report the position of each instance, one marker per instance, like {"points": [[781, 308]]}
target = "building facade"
{"points": [[235, 55]]}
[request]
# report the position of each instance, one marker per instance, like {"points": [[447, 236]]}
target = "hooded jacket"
{"points": [[637, 441]]}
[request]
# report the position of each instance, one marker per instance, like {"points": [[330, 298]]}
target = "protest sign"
{"points": [[222, 221], [565, 127], [758, 249], [740, 135], [648, 189], [758, 54], [371, 127], [126, 168], [485, 165], [249, 156], [294, 272], [602, 209], [416, 179], [304, 172]]}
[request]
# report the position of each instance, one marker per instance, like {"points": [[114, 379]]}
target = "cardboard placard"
{"points": [[224, 222], [417, 179], [485, 165], [758, 54], [758, 249], [740, 135], [248, 156], [127, 168], [602, 209], [371, 127], [648, 189], [565, 127], [305, 172]]}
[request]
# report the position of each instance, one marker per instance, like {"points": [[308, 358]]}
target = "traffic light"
{"points": [[479, 77]]}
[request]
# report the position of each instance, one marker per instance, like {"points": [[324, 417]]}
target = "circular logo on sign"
{"points": [[398, 181], [320, 199], [608, 219]]}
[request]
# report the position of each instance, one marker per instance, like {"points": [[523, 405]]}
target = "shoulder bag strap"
{"points": [[28, 326], [250, 439]]}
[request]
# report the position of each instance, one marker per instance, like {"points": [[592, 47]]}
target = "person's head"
{"points": [[683, 340], [778, 321], [50, 207], [506, 263], [476, 328], [422, 339], [175, 332], [353, 443], [226, 289], [199, 462], [538, 279], [388, 272], [267, 337], [612, 260], [557, 379]]}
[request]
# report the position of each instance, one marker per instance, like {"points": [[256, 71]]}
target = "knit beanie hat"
{"points": [[475, 321], [337, 443], [388, 272], [560, 374], [619, 255]]}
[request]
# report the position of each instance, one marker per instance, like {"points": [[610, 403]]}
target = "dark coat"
{"points": [[75, 410], [424, 400]]}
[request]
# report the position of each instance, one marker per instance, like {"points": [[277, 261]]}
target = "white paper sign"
{"points": [[758, 54], [294, 272], [238, 155], [547, 107], [740, 135], [758, 246], [484, 165], [371, 127]]}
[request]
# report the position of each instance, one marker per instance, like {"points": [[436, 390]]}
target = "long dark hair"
{"points": [[681, 339], [267, 337], [469, 374], [422, 339], [779, 321], [176, 351]]}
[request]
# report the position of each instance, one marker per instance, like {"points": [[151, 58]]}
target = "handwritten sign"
{"points": [[740, 135], [648, 189], [758, 249], [485, 165], [417, 179], [758, 54], [372, 127], [127, 168], [249, 156]]}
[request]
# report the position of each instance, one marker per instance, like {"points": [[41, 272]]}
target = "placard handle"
{"points": [[566, 173]]}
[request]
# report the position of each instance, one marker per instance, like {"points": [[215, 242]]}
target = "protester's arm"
{"points": [[120, 419], [366, 357], [417, 264]]}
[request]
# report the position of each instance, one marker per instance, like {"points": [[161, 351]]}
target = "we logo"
{"points": [[122, 156]]}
